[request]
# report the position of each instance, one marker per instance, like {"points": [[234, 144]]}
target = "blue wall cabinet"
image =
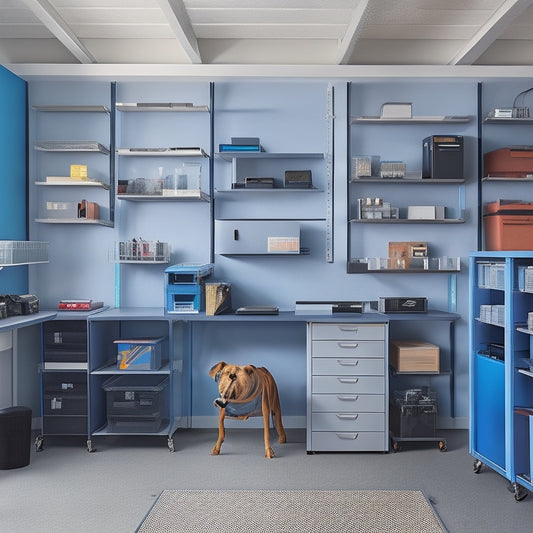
{"points": [[501, 377]]}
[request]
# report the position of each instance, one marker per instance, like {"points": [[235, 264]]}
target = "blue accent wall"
{"points": [[13, 91]]}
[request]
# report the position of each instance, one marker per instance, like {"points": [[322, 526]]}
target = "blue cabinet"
{"points": [[501, 380]]}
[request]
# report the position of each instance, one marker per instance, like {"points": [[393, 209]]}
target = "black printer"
{"points": [[442, 157]]}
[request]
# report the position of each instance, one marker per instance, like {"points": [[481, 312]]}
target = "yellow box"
{"points": [[414, 356], [78, 172]]}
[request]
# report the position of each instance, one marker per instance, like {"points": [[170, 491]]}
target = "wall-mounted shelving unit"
{"points": [[362, 260], [78, 147]]}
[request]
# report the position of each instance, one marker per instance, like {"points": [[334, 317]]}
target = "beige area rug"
{"points": [[280, 511]]}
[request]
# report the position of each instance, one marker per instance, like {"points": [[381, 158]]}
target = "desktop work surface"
{"points": [[342, 385]]}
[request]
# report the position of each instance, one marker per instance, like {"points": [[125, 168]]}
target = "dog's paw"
{"points": [[282, 438], [220, 402], [215, 450], [269, 453]]}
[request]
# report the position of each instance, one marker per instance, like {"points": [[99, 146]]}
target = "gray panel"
{"points": [[270, 237]]}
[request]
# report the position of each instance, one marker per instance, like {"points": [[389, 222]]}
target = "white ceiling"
{"points": [[267, 32]]}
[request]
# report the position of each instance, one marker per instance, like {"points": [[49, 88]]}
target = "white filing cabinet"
{"points": [[347, 387]]}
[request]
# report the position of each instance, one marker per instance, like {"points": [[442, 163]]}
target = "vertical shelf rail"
{"points": [[330, 168], [211, 171], [479, 167], [348, 173], [112, 128]]}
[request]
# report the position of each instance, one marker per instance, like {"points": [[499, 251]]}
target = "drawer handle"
{"points": [[348, 362], [348, 417], [348, 328], [347, 344], [351, 436], [348, 380], [348, 398]]}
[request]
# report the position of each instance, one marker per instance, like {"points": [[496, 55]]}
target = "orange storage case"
{"points": [[508, 225]]}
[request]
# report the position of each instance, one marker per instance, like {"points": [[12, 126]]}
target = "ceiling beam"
{"points": [[347, 43], [180, 23], [47, 14], [500, 20]]}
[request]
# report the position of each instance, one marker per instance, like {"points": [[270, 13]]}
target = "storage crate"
{"points": [[139, 354], [525, 278], [413, 413], [136, 403], [64, 393], [23, 252]]}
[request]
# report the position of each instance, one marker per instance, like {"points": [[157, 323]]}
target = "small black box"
{"points": [[18, 305], [442, 157], [298, 179], [402, 304], [413, 413]]}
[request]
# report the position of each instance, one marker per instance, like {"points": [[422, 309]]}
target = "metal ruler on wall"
{"points": [[330, 117]]}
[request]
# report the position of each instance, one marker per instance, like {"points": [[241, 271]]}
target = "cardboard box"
{"points": [[414, 356]]}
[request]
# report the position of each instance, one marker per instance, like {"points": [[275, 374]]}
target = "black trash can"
{"points": [[15, 437]]}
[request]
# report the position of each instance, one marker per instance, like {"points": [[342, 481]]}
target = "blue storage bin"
{"points": [[139, 354]]}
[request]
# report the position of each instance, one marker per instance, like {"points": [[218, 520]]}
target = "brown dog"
{"points": [[247, 391]]}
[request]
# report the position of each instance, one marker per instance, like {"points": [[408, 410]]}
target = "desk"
{"points": [[11, 345], [182, 349]]}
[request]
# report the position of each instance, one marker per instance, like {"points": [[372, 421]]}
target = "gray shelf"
{"points": [[71, 146], [73, 183], [406, 221], [171, 107], [413, 120], [196, 197], [72, 108]]}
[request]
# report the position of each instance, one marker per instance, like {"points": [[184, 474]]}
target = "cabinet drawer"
{"points": [[348, 422], [349, 441], [348, 366], [367, 332], [349, 384], [70, 404], [65, 425], [346, 348], [369, 403]]}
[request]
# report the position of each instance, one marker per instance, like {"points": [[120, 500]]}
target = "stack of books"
{"points": [[79, 305], [242, 144]]}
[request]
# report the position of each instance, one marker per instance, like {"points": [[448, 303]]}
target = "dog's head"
{"points": [[235, 382]]}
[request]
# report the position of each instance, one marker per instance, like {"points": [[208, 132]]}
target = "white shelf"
{"points": [[503, 178], [83, 221], [170, 107], [73, 183], [267, 190], [230, 156], [193, 196], [162, 152]]}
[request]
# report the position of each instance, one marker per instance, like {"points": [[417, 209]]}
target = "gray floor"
{"points": [[65, 489]]}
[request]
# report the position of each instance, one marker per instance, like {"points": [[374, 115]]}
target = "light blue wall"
{"points": [[288, 116], [12, 174]]}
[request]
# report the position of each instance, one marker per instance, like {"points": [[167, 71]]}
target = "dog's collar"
{"points": [[217, 375]]}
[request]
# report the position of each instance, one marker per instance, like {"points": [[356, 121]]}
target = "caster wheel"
{"points": [[90, 447], [39, 443], [477, 466], [396, 446], [170, 445], [519, 492], [443, 446]]}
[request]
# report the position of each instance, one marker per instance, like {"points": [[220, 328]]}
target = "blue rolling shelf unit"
{"points": [[501, 364]]}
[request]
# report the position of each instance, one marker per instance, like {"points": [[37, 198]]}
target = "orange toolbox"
{"points": [[508, 225], [514, 162]]}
